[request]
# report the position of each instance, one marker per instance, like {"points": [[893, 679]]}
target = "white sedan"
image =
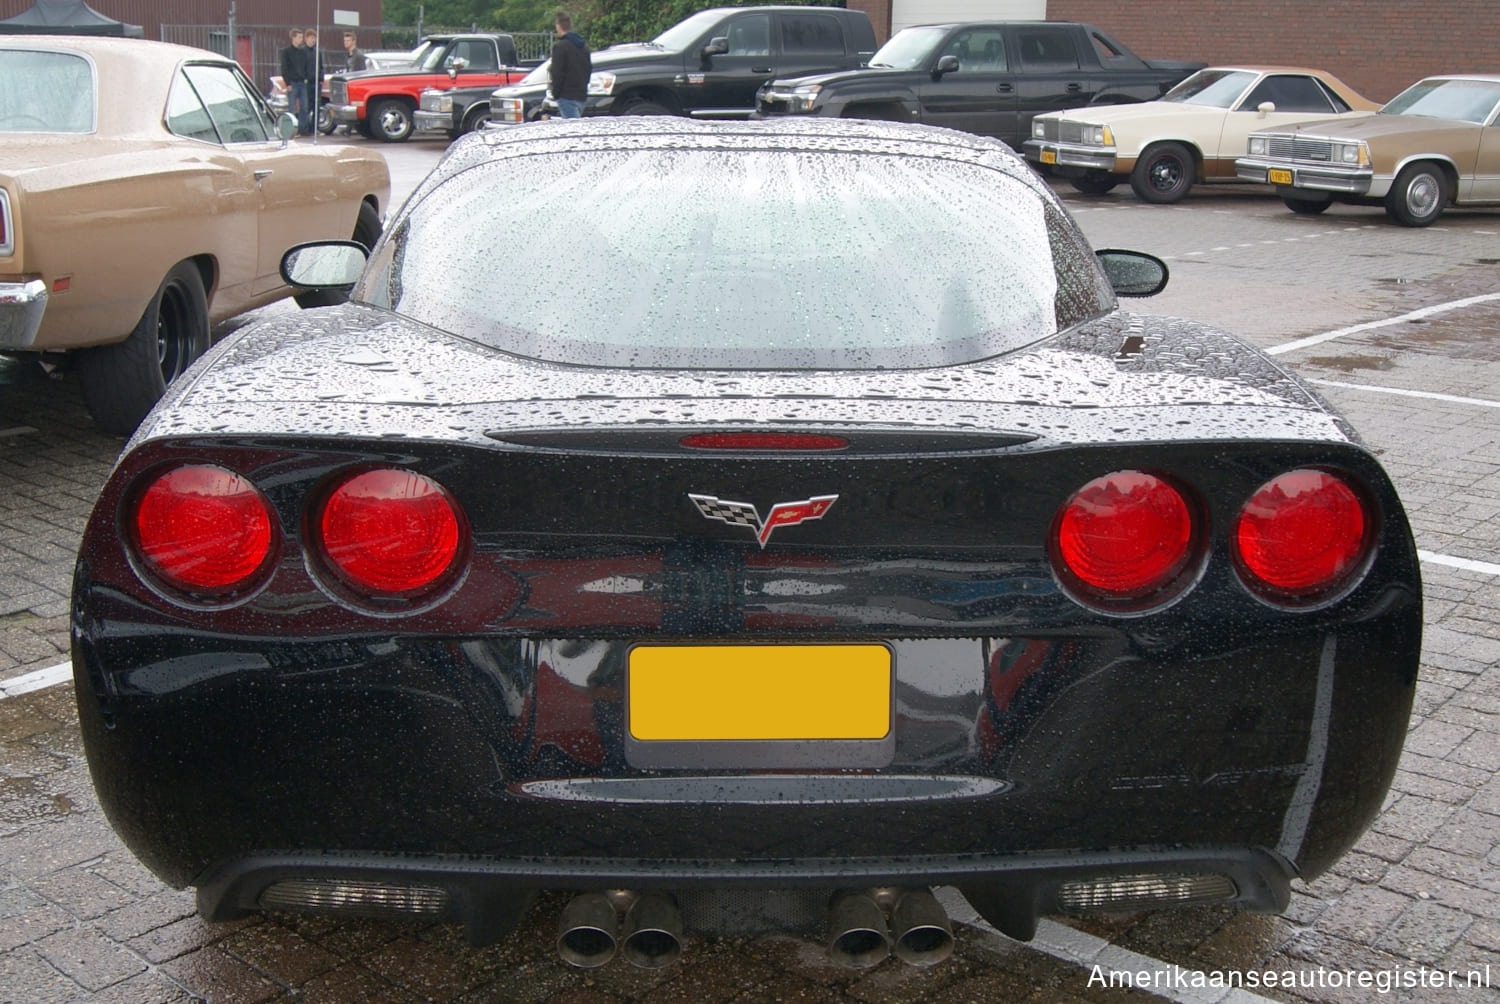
{"points": [[1193, 133]]}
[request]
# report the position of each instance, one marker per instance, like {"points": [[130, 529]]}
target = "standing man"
{"points": [[568, 76], [297, 74], [353, 55]]}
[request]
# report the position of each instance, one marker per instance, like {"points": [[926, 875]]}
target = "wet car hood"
{"points": [[838, 76], [356, 370], [1377, 125]]}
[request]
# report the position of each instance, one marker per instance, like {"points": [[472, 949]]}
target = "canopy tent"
{"points": [[65, 17]]}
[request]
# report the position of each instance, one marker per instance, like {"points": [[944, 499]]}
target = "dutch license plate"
{"points": [[1279, 177], [1049, 156], [758, 692]]}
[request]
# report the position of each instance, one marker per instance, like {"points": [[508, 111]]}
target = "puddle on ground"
{"points": [[26, 800], [1352, 362]]}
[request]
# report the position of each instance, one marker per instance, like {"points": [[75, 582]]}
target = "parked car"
{"points": [[146, 192], [383, 103], [1435, 144], [988, 78], [1193, 134], [839, 533], [385, 59], [708, 65]]}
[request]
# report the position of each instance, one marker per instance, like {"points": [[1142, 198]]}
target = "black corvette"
{"points": [[797, 522]]}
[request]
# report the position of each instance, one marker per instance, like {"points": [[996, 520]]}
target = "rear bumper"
{"points": [[22, 305], [487, 897]]}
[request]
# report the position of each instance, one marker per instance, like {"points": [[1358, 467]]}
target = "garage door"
{"points": [[909, 12]]}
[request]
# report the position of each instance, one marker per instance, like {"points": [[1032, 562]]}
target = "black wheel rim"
{"points": [[1166, 174], [172, 326]]}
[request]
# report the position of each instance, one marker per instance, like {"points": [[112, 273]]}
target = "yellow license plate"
{"points": [[1049, 156], [1278, 177], [758, 692]]}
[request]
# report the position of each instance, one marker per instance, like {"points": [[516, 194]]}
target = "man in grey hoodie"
{"points": [[568, 75]]}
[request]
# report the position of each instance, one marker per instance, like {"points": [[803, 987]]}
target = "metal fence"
{"points": [[257, 47]]}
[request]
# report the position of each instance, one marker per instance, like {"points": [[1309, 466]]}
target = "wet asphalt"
{"points": [[81, 920]]}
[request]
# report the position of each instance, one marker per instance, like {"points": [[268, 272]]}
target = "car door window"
{"points": [[811, 35], [1289, 93], [750, 36], [231, 108], [477, 54], [1047, 49], [977, 49]]}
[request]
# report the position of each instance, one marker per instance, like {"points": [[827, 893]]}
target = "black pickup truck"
{"points": [[708, 65], [986, 78]]}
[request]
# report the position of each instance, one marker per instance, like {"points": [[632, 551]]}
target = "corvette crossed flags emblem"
{"points": [[781, 514]]}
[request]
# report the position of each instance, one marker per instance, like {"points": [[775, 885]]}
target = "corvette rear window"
{"points": [[50, 92], [740, 258]]}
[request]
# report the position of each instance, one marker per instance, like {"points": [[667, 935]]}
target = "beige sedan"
{"points": [[1194, 133], [147, 192], [1434, 144]]}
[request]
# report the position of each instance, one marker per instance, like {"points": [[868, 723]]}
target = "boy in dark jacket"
{"points": [[568, 75]]}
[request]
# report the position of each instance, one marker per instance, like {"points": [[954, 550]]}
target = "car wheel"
{"points": [[367, 232], [121, 382], [475, 119], [390, 120], [1418, 195], [1305, 207], [1095, 182], [1163, 174], [326, 124], [647, 108]]}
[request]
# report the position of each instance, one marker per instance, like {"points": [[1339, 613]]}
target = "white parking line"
{"points": [[1414, 315], [1096, 955], [37, 680], [1467, 564], [1477, 402]]}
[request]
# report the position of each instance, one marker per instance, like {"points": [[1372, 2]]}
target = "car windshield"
{"points": [[685, 33], [45, 92], [1464, 100], [540, 75], [909, 48], [429, 55], [740, 258], [1212, 88]]}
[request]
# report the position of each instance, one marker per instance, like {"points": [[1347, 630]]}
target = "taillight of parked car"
{"points": [[204, 531], [390, 534], [1126, 541], [1302, 536]]}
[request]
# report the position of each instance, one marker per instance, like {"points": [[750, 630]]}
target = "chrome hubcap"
{"points": [[1422, 195]]}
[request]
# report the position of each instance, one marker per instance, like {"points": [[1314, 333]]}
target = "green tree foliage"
{"points": [[602, 22]]}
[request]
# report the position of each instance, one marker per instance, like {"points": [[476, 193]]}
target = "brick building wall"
{"points": [[1377, 47], [879, 12]]}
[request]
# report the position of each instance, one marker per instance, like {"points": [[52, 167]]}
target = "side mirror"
{"points": [[1133, 273], [286, 126], [945, 64], [324, 265], [716, 47], [1265, 108]]}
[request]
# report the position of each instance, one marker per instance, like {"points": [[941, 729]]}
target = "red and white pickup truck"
{"points": [[380, 103]]}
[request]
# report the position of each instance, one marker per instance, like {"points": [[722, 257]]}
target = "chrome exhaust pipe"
{"points": [[921, 929], [586, 931], [857, 933], [652, 935]]}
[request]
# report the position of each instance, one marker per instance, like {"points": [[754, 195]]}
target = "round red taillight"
{"points": [[1124, 540], [1301, 535], [203, 530], [390, 533]]}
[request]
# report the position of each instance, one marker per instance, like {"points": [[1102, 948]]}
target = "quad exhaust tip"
{"points": [[864, 929], [589, 932], [918, 931]]}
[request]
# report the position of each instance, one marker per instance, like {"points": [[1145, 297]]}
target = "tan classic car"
{"points": [[1194, 133], [146, 192], [1435, 143]]}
